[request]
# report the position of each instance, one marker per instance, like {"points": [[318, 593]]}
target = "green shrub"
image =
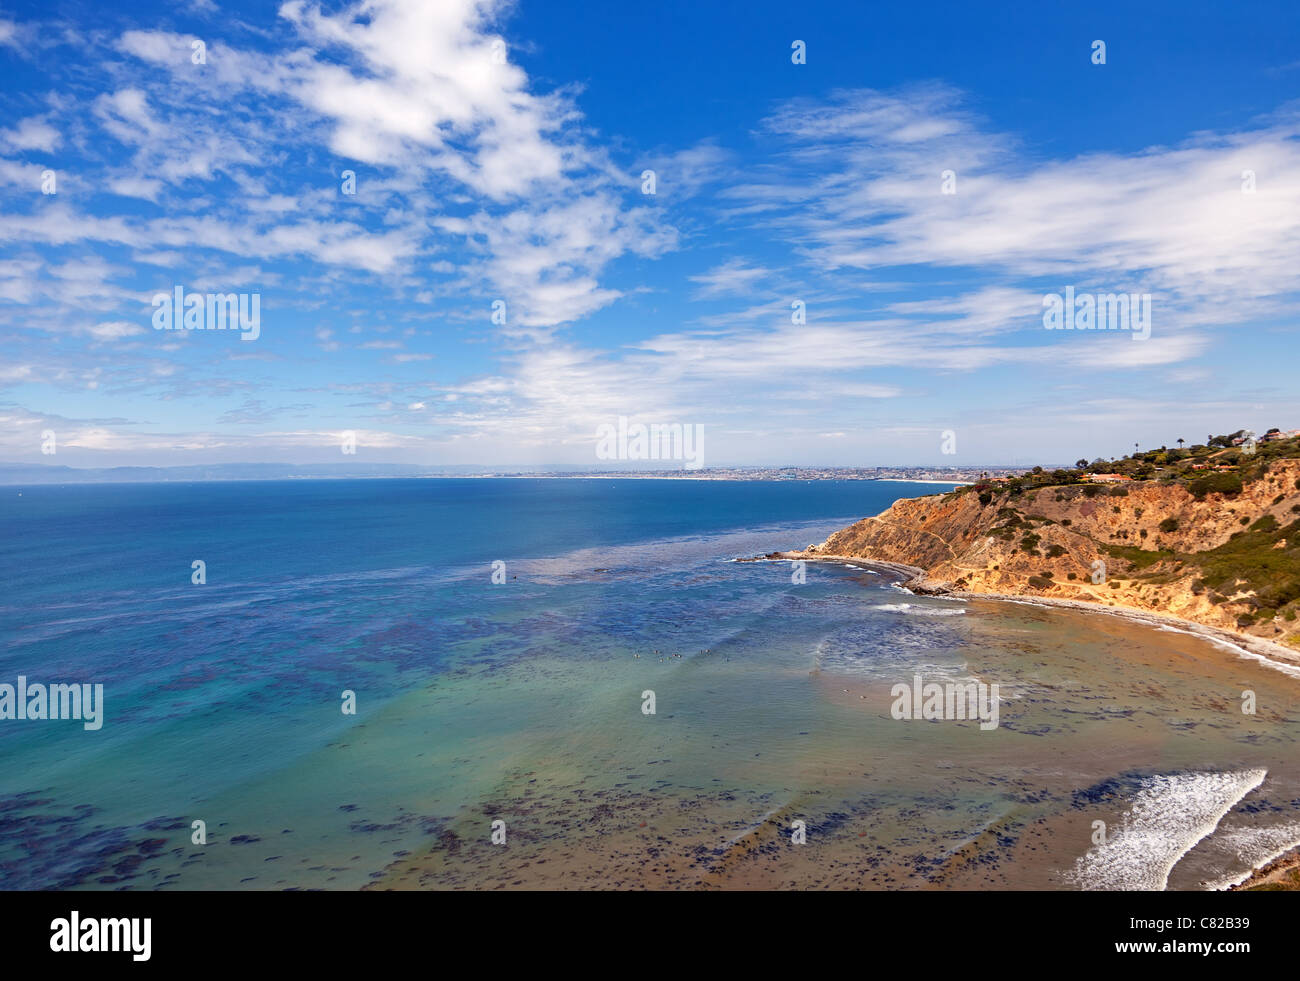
{"points": [[1168, 525], [1266, 523], [1139, 558], [1215, 483]]}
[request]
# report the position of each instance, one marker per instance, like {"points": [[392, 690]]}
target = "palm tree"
{"points": [[1180, 442]]}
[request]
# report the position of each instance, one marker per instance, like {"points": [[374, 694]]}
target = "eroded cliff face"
{"points": [[1228, 561]]}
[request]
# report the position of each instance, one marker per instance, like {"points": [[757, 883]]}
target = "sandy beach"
{"points": [[1278, 873], [916, 582]]}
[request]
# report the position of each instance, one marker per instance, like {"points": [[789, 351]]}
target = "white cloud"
{"points": [[127, 116], [136, 187], [424, 88], [31, 134], [1169, 219], [114, 330], [735, 277], [417, 91]]}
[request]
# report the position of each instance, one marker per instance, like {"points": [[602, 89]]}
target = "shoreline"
{"points": [[1282, 871], [1273, 873], [1282, 658]]}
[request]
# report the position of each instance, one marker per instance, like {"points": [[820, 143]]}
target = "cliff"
{"points": [[1228, 560]]}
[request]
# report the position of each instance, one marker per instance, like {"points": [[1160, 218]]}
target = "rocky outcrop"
{"points": [[1230, 561]]}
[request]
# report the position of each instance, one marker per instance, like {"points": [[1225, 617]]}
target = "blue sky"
{"points": [[498, 152]]}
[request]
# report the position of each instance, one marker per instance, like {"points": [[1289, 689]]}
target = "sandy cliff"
{"points": [[1230, 561]]}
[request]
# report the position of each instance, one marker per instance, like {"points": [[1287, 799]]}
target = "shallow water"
{"points": [[522, 701]]}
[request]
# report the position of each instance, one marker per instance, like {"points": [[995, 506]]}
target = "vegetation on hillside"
{"points": [[1256, 571], [1220, 465]]}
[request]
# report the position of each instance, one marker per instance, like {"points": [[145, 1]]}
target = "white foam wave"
{"points": [[1166, 819], [1255, 848], [1290, 669], [916, 610]]}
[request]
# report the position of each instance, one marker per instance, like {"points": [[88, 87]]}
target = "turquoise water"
{"points": [[521, 700]]}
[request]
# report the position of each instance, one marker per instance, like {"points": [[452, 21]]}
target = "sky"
{"points": [[479, 232]]}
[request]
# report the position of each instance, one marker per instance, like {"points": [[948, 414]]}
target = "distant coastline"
{"points": [[31, 475]]}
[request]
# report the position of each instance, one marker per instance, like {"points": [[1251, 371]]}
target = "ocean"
{"points": [[572, 683]]}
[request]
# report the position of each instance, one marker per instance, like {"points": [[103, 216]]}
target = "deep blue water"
{"points": [[521, 700], [315, 587]]}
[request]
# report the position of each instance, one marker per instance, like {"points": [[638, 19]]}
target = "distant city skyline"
{"points": [[481, 233]]}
